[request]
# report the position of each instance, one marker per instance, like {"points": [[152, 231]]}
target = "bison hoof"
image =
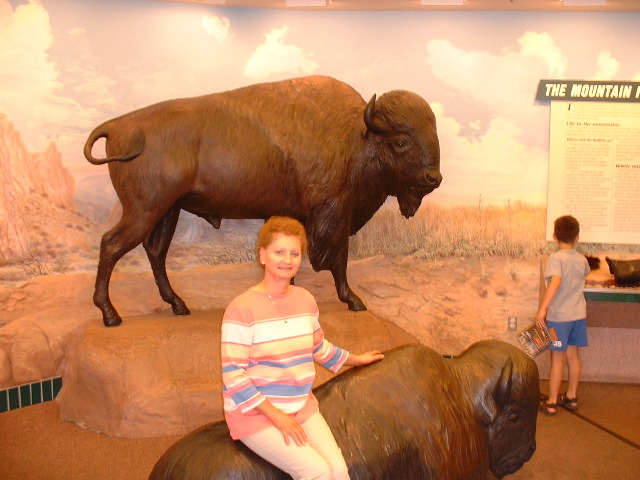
{"points": [[180, 309], [356, 305], [112, 321]]}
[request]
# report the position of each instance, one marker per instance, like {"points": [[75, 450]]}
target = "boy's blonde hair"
{"points": [[277, 225]]}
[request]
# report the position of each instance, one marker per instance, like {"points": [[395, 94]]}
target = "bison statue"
{"points": [[626, 273], [415, 415], [310, 148]]}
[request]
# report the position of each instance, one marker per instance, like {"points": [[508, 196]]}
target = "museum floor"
{"points": [[601, 441]]}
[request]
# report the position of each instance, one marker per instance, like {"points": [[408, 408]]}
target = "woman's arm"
{"points": [[235, 344], [364, 358], [283, 422]]}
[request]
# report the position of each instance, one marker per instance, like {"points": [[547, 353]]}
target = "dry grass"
{"points": [[615, 250], [514, 230], [460, 231]]}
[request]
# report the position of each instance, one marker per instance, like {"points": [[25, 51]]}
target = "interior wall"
{"points": [[72, 65], [67, 66]]}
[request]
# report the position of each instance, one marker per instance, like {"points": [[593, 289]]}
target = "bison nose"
{"points": [[434, 178]]}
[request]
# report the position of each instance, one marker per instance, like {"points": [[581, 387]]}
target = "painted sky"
{"points": [[66, 66]]}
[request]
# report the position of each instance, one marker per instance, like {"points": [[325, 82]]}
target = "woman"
{"points": [[270, 339]]}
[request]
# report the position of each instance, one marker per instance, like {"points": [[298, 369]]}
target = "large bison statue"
{"points": [[415, 415], [309, 148]]}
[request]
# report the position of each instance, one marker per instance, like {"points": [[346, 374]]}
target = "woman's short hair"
{"points": [[277, 225]]}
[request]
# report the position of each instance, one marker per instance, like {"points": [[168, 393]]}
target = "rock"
{"points": [[5, 293], [35, 344], [482, 292], [24, 174], [501, 291], [149, 377], [17, 296], [157, 375], [5, 368], [31, 356]]}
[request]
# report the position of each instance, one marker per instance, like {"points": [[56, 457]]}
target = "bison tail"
{"points": [[134, 148]]}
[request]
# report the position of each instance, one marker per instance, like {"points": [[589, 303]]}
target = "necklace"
{"points": [[278, 294], [286, 320]]}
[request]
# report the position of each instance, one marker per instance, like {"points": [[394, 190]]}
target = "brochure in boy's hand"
{"points": [[534, 340]]}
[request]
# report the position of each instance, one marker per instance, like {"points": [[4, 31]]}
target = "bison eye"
{"points": [[401, 144], [514, 417]]}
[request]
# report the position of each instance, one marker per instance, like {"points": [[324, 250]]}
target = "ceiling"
{"points": [[469, 5]]}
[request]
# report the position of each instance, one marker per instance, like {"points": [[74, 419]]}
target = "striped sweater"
{"points": [[268, 348]]}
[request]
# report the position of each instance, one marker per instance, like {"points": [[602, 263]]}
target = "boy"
{"points": [[564, 309]]}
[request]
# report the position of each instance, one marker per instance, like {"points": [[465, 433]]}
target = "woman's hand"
{"points": [[364, 358], [290, 428], [283, 422]]}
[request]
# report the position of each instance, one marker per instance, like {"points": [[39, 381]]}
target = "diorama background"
{"points": [[67, 66], [72, 65]]}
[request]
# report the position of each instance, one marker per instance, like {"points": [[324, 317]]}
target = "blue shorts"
{"points": [[569, 333]]}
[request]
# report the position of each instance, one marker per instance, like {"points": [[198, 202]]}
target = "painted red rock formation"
{"points": [[24, 174]]}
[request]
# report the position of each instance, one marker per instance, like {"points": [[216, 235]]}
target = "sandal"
{"points": [[568, 403], [549, 409]]}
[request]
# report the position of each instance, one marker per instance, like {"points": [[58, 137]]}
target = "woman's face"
{"points": [[282, 257]]}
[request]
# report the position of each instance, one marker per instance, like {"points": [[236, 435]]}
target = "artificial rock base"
{"points": [[159, 375]]}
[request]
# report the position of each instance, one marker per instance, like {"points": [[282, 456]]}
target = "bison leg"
{"points": [[101, 299], [157, 245], [121, 239], [345, 294], [338, 268], [329, 250]]}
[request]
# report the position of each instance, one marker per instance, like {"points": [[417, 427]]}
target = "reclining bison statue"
{"points": [[626, 273], [309, 148], [415, 415]]}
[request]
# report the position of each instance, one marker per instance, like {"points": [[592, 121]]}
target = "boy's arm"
{"points": [[549, 294]]}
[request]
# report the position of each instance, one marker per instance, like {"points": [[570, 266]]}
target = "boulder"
{"points": [[158, 375]]}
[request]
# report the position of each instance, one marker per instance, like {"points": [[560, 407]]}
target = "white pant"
{"points": [[319, 459]]}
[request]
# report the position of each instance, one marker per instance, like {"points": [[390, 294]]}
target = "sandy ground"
{"points": [[446, 304]]}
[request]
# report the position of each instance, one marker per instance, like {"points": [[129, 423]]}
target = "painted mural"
{"points": [[67, 66]]}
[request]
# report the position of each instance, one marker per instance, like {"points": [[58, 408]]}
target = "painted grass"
{"points": [[514, 230]]}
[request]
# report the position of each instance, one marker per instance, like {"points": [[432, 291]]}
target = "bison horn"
{"points": [[502, 393], [370, 117], [488, 402]]}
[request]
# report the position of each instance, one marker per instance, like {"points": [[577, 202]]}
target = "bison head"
{"points": [[410, 150], [512, 432], [504, 385]]}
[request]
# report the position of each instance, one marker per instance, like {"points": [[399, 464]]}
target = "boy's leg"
{"points": [[577, 338], [558, 348], [574, 366], [558, 359]]}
